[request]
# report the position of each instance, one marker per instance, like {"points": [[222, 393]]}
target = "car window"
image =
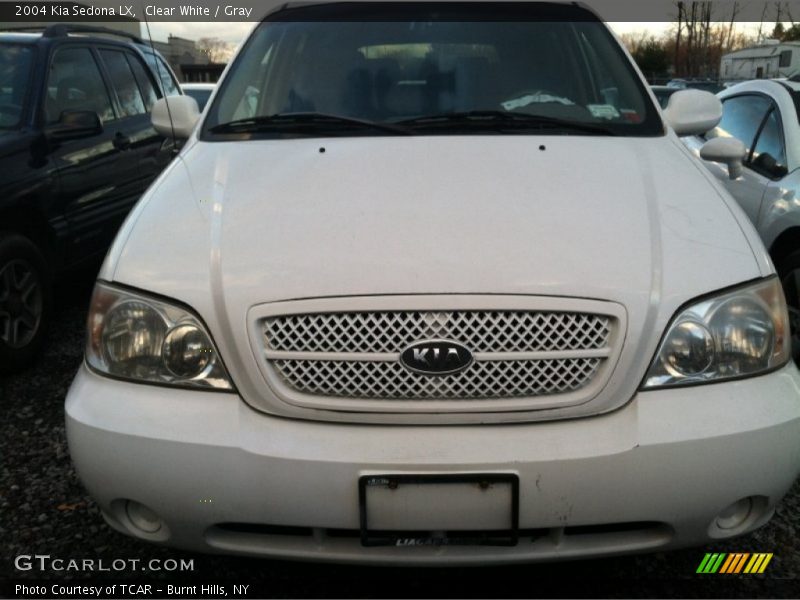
{"points": [[201, 96], [663, 95], [741, 118], [427, 63], [769, 153], [75, 83], [144, 80], [159, 67], [15, 70], [124, 83]]}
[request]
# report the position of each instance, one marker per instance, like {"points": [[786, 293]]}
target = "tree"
{"points": [[792, 34], [652, 58], [217, 50], [729, 37], [698, 40]]}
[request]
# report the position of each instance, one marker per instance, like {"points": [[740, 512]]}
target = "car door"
{"points": [[93, 175], [159, 151], [744, 117], [135, 93], [768, 160]]}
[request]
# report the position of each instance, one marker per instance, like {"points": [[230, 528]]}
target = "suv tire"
{"points": [[25, 301], [788, 269]]}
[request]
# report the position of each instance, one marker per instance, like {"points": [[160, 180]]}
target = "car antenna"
{"points": [[159, 68]]}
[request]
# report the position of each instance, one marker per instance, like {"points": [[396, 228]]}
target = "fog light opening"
{"points": [[735, 515], [142, 518]]}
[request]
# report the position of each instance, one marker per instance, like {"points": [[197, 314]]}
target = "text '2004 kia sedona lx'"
{"points": [[436, 283]]}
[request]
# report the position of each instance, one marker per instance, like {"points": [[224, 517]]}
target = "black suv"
{"points": [[77, 150]]}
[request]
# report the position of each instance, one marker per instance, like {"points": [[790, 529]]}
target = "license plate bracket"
{"points": [[506, 484]]}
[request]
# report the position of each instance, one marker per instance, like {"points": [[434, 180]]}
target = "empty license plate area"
{"points": [[423, 510]]}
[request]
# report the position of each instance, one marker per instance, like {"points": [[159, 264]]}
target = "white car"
{"points": [[764, 115], [450, 291], [201, 92]]}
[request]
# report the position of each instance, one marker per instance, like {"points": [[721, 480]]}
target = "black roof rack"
{"points": [[64, 29], [61, 30], [27, 28]]}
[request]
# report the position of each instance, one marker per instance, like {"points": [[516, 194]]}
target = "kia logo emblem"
{"points": [[436, 357]]}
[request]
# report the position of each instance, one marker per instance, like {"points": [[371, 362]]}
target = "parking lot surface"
{"points": [[45, 510]]}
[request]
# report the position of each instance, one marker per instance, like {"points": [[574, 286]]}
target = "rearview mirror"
{"points": [[729, 151], [75, 124], [693, 112], [175, 116]]}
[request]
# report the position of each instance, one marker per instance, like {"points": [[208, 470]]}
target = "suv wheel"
{"points": [[789, 272], [25, 301]]}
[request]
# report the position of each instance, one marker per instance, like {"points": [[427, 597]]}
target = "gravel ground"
{"points": [[45, 510]]}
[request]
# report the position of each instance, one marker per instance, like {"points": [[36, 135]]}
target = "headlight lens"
{"points": [[734, 334], [133, 336]]}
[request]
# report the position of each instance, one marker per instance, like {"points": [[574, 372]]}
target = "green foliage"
{"points": [[652, 57], [792, 34]]}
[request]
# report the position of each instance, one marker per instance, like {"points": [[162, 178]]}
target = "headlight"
{"points": [[732, 334], [133, 336]]}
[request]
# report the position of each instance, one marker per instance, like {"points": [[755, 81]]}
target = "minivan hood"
{"points": [[595, 217], [635, 221]]}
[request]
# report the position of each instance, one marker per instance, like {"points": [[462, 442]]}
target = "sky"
{"points": [[235, 32], [659, 28]]}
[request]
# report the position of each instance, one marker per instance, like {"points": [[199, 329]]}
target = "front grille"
{"points": [[480, 331], [390, 380], [518, 354]]}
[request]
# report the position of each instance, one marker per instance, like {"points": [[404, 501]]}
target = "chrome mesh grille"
{"points": [[518, 354], [392, 381], [480, 331]]}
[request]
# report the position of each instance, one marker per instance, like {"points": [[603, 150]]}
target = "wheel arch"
{"points": [[785, 244], [33, 225]]}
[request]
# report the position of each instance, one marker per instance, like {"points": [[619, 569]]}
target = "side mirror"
{"points": [[693, 112], [729, 151], [75, 124], [175, 116]]}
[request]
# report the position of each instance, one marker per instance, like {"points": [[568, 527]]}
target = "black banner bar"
{"points": [[255, 10]]}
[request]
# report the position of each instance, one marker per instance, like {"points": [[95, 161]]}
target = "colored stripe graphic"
{"points": [[734, 563], [711, 562], [740, 563], [727, 564], [703, 563], [730, 564], [767, 558], [755, 562]]}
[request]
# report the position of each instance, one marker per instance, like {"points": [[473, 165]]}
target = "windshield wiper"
{"points": [[501, 119], [303, 121]]}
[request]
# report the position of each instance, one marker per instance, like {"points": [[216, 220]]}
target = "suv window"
{"points": [[144, 79], [741, 118], [15, 70], [563, 68], [158, 66], [130, 98], [75, 83]]}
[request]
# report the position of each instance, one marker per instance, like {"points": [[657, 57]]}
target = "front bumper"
{"points": [[652, 475]]}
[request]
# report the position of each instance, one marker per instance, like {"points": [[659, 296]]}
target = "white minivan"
{"points": [[436, 283]]}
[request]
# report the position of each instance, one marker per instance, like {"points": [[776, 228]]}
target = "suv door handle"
{"points": [[121, 141]]}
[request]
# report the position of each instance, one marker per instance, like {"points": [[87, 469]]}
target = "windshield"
{"points": [[15, 72], [460, 69]]}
